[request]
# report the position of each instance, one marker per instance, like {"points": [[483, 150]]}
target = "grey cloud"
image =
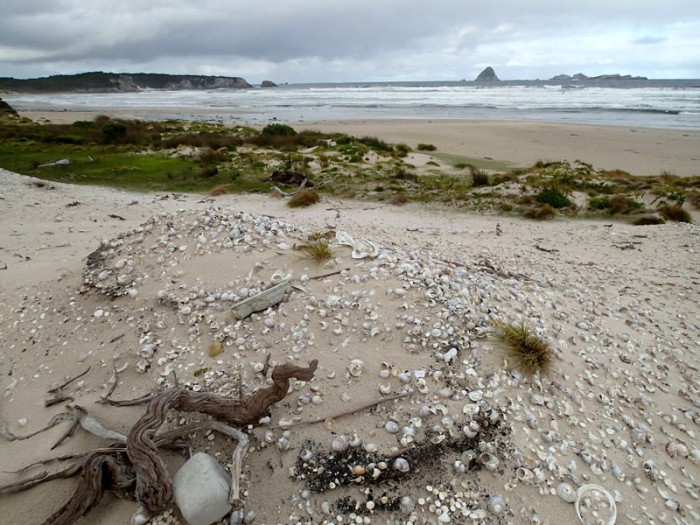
{"points": [[282, 31]]}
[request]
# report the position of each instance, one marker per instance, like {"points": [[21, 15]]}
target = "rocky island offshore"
{"points": [[100, 82]]}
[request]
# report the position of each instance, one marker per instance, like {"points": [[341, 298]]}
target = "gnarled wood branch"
{"points": [[137, 472]]}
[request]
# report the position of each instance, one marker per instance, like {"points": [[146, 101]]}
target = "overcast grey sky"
{"points": [[351, 40]]}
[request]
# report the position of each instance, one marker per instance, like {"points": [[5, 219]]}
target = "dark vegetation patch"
{"points": [[212, 158]]}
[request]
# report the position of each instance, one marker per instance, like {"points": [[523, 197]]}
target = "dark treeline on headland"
{"points": [[115, 82]]}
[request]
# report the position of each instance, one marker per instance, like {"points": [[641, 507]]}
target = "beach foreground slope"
{"points": [[616, 303]]}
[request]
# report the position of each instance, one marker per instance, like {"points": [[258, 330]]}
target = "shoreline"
{"points": [[522, 143]]}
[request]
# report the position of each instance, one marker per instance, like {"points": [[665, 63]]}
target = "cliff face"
{"points": [[114, 82]]}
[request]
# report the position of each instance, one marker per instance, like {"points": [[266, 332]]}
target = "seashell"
{"points": [[469, 432], [524, 475], [496, 505], [650, 470], [358, 470], [283, 443], [405, 377], [673, 449], [306, 455], [489, 461], [237, 517], [402, 465], [356, 367], [141, 516], [385, 389], [694, 456], [459, 466], [371, 448], [406, 504], [392, 427], [470, 409], [340, 443], [475, 395], [566, 492], [580, 495], [215, 349]]}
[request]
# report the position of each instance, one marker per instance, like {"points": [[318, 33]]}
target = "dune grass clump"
{"points": [[318, 250], [673, 212], [399, 199], [304, 198], [542, 212], [426, 147], [648, 220], [529, 353], [479, 177]]}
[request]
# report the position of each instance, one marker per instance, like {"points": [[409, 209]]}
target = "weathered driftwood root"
{"points": [[153, 483], [137, 472]]}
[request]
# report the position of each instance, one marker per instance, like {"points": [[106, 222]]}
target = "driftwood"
{"points": [[135, 471]]}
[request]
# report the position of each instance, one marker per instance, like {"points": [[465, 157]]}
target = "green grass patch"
{"points": [[466, 162]]}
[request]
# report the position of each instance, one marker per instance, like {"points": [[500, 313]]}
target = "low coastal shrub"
{"points": [[554, 198], [623, 204], [304, 198], [673, 212], [399, 199], [648, 220], [402, 150], [375, 144], [426, 147], [279, 129], [529, 353], [693, 198], [540, 213]]}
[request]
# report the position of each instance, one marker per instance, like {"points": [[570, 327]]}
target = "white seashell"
{"points": [[405, 377], [406, 505], [141, 516], [694, 456], [475, 395], [237, 517], [340, 443], [566, 492], [392, 427], [402, 465], [524, 475], [356, 367], [283, 443], [385, 389], [581, 495], [306, 455], [496, 505], [489, 461], [371, 448]]}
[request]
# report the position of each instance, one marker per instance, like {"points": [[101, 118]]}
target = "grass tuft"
{"points": [[648, 220], [673, 212], [542, 212], [529, 353], [304, 198], [319, 250], [399, 199]]}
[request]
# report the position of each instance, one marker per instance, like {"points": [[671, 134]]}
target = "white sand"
{"points": [[619, 305]]}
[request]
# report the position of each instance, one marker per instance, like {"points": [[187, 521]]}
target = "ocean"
{"points": [[666, 104]]}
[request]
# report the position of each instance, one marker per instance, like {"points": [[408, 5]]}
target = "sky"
{"points": [[300, 41]]}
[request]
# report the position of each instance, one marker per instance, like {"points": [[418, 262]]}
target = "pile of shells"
{"points": [[620, 409]]}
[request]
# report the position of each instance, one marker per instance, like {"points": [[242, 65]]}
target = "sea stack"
{"points": [[268, 84], [487, 75]]}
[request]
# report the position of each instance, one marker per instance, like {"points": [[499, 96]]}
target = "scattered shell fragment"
{"points": [[215, 349]]}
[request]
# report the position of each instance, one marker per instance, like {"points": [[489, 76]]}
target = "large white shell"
{"points": [[566, 492], [356, 367]]}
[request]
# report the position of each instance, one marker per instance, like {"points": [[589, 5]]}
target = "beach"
{"points": [[639, 151], [404, 327], [617, 304]]}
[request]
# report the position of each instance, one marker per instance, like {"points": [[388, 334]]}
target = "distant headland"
{"points": [[99, 82], [582, 77]]}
